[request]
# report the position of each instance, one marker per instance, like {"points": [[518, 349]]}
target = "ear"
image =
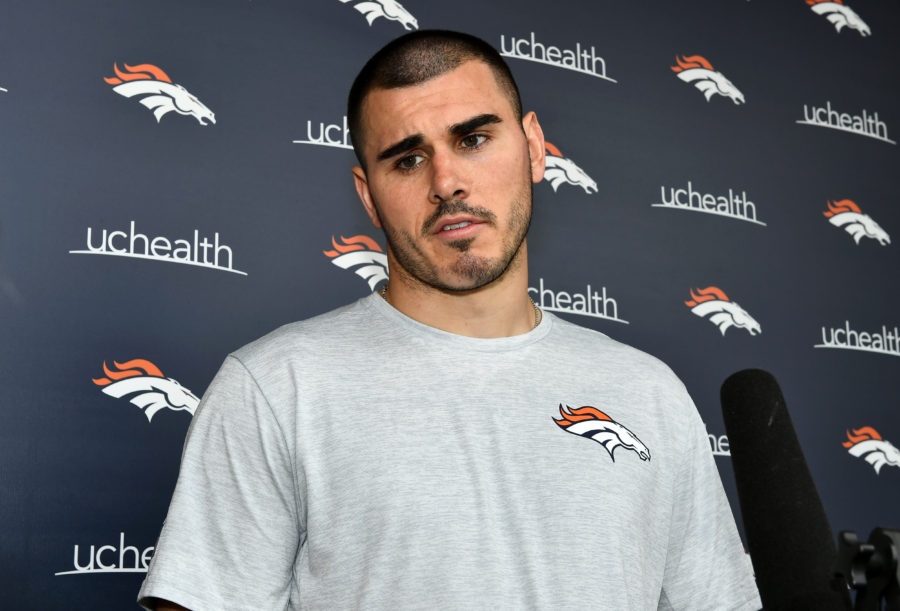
{"points": [[365, 196], [535, 137]]}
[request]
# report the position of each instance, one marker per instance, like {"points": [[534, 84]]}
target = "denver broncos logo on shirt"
{"points": [[696, 69], [159, 93], [868, 444], [150, 389], [846, 214], [561, 169], [839, 15], [362, 253], [389, 9], [724, 313], [590, 422]]}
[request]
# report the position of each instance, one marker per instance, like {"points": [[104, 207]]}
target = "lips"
{"points": [[457, 226], [454, 223], [456, 217]]}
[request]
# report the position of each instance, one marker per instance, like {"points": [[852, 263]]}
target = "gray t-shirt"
{"points": [[362, 460]]}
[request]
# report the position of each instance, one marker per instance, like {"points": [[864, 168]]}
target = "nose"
{"points": [[448, 181]]}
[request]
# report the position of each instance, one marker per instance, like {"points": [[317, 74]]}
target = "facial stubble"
{"points": [[474, 271]]}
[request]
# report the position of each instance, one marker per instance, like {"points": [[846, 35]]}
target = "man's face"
{"points": [[449, 177]]}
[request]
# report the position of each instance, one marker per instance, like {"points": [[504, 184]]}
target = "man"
{"points": [[443, 444]]}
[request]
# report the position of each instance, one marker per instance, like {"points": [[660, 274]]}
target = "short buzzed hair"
{"points": [[418, 57]]}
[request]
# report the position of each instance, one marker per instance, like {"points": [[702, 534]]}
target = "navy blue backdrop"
{"points": [[174, 182]]}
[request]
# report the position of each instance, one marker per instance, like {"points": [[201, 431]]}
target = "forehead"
{"points": [[466, 91]]}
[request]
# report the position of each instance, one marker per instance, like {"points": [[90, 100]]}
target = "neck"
{"points": [[499, 309]]}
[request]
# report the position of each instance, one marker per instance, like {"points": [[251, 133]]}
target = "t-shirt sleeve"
{"points": [[706, 566], [233, 527]]}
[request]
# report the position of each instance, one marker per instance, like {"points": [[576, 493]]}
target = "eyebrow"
{"points": [[457, 129], [470, 125], [405, 144]]}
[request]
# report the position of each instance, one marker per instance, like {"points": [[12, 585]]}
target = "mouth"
{"points": [[457, 228], [456, 220]]}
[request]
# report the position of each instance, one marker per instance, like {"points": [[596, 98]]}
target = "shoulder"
{"points": [[317, 335], [606, 354], [277, 367]]}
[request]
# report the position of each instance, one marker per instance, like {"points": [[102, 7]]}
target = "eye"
{"points": [[410, 162], [473, 141]]}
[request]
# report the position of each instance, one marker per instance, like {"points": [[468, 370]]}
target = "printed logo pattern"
{"points": [[150, 390], [580, 59], [847, 215], [882, 341], [866, 123], [325, 138], [696, 69], [389, 9], [159, 93], [719, 445], [363, 255], [722, 312], [867, 444], [561, 169], [733, 206], [200, 251], [839, 15], [590, 422], [111, 559], [591, 302]]}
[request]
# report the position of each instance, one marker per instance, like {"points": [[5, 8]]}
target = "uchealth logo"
{"points": [[110, 558], [697, 70], [361, 254], [146, 387], [734, 205], [199, 251], [580, 59], [592, 302], [867, 443], [389, 9], [712, 303], [561, 169], [865, 123], [840, 15], [883, 341], [336, 135], [718, 444], [847, 215], [591, 423], [157, 92]]}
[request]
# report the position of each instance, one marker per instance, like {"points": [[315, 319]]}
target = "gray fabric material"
{"points": [[361, 460]]}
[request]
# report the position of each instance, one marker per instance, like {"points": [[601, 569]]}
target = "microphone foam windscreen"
{"points": [[790, 541]]}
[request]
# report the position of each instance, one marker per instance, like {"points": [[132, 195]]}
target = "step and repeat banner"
{"points": [[722, 192]]}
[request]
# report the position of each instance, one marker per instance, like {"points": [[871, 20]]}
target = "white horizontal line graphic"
{"points": [[163, 259], [725, 214], [860, 348], [336, 145], [591, 314], [111, 570], [558, 65], [845, 129]]}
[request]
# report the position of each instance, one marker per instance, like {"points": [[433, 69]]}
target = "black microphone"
{"points": [[790, 541]]}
